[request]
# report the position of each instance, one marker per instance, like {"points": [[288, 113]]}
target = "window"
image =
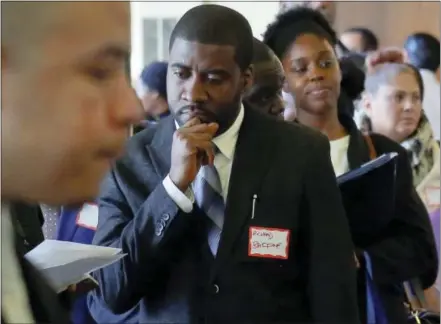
{"points": [[152, 23], [156, 35], [167, 28], [150, 33]]}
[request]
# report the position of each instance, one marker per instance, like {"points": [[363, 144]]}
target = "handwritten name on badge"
{"points": [[270, 243]]}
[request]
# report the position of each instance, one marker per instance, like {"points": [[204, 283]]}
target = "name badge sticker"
{"points": [[88, 217], [265, 242]]}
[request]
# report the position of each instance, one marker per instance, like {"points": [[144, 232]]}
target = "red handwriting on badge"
{"points": [[268, 242]]}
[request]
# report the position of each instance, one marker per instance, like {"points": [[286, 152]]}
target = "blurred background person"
{"points": [[354, 44], [305, 43], [423, 51], [152, 91], [393, 107], [359, 40], [265, 92]]}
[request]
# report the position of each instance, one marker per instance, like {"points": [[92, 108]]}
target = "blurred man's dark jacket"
{"points": [[28, 220]]}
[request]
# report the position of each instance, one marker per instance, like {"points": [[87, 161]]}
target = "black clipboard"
{"points": [[368, 194]]}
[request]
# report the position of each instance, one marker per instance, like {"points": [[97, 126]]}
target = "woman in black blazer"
{"points": [[305, 43]]}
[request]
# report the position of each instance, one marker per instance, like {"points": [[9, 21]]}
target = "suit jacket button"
{"points": [[215, 289], [162, 223], [166, 217], [159, 230]]}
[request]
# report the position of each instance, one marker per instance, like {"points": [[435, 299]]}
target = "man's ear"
{"points": [[248, 78]]}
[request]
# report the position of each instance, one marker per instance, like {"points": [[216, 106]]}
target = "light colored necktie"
{"points": [[208, 196], [50, 215]]}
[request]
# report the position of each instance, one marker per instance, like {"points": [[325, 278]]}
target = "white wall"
{"points": [[391, 21], [259, 14]]}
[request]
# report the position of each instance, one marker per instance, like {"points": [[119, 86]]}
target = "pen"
{"points": [[254, 206]]}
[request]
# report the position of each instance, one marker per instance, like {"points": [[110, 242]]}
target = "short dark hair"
{"points": [[290, 24], [423, 51], [353, 77], [370, 40], [261, 52], [215, 24]]}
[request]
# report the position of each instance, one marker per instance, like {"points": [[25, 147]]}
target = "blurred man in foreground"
{"points": [[61, 134]]}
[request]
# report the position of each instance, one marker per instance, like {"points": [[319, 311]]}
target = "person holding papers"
{"points": [[58, 137], [404, 249], [77, 223]]}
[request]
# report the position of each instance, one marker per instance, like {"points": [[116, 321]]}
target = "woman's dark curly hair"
{"points": [[290, 24]]}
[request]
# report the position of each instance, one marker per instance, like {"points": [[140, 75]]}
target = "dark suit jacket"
{"points": [[170, 269], [406, 250], [45, 303], [28, 220]]}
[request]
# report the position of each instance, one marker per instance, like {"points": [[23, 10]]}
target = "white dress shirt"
{"points": [[432, 100], [15, 301], [339, 155], [223, 161]]}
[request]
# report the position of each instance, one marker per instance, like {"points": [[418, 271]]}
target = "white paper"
{"points": [[67, 263]]}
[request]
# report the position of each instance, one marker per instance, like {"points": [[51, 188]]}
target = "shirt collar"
{"points": [[226, 142], [428, 75]]}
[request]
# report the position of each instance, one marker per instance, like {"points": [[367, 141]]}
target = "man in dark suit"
{"points": [[66, 107], [226, 215]]}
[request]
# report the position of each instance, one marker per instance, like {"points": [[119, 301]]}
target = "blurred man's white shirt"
{"points": [[15, 301]]}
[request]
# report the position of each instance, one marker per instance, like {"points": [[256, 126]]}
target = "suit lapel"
{"points": [[43, 300], [160, 147], [254, 147], [251, 161]]}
